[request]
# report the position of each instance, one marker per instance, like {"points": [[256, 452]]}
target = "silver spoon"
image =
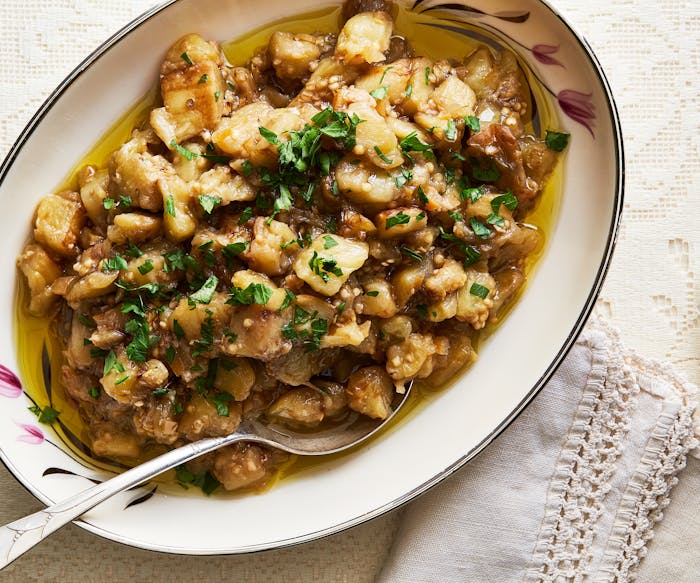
{"points": [[17, 537]]}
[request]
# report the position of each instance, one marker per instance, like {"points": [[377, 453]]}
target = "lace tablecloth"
{"points": [[651, 53]]}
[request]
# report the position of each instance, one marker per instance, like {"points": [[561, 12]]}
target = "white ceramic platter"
{"points": [[451, 428]]}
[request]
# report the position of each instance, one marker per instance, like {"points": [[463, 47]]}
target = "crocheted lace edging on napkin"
{"points": [[582, 479]]}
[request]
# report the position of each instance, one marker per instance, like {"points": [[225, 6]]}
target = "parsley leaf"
{"points": [[508, 200], [382, 156], [185, 57], [556, 141], [485, 171], [245, 216], [472, 194], [137, 349], [46, 415], [116, 263], [479, 290], [412, 143], [451, 130], [205, 293], [184, 152], [379, 93], [145, 267], [472, 123], [480, 230], [255, 293], [400, 218], [170, 205], [408, 252], [329, 242], [269, 135], [209, 202]]}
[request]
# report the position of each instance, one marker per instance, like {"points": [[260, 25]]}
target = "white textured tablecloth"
{"points": [[651, 53]]}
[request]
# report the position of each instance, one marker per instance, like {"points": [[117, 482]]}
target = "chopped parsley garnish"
{"points": [[420, 216], [86, 321], [400, 218], [141, 341], [307, 327], [245, 215], [205, 293], [108, 203], [479, 290], [46, 415], [451, 130], [284, 200], [382, 156], [217, 94], [111, 363], [472, 194], [409, 90], [246, 168], [402, 178], [184, 152], [408, 252], [472, 123], [125, 201], [269, 135], [485, 171], [372, 294], [177, 329], [205, 481], [384, 74], [185, 57], [203, 79], [116, 263], [455, 216], [233, 250], [480, 230], [94, 392], [421, 195], [340, 308], [170, 354], [379, 93], [220, 401], [289, 297], [412, 143], [422, 310], [255, 293], [495, 220], [217, 158], [205, 341], [324, 266], [329, 242], [160, 391], [508, 200], [556, 141], [472, 254], [170, 205], [427, 75], [133, 251], [146, 267]]}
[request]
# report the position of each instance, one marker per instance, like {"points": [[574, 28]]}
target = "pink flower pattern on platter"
{"points": [[578, 107], [10, 385], [543, 54], [33, 435]]}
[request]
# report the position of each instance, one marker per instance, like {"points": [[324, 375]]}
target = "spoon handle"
{"points": [[19, 536]]}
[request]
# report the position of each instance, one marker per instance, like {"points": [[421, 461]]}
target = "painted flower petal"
{"points": [[10, 385], [33, 435], [542, 53], [578, 107]]}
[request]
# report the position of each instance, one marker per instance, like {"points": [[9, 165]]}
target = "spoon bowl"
{"points": [[21, 535]]}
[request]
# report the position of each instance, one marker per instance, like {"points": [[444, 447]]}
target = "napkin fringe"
{"points": [[587, 463]]}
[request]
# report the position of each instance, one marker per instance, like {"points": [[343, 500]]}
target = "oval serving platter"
{"points": [[450, 428]]}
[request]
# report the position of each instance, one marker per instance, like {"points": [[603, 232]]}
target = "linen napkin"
{"points": [[572, 489]]}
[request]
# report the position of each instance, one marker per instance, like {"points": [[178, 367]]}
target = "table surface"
{"points": [[651, 53]]}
